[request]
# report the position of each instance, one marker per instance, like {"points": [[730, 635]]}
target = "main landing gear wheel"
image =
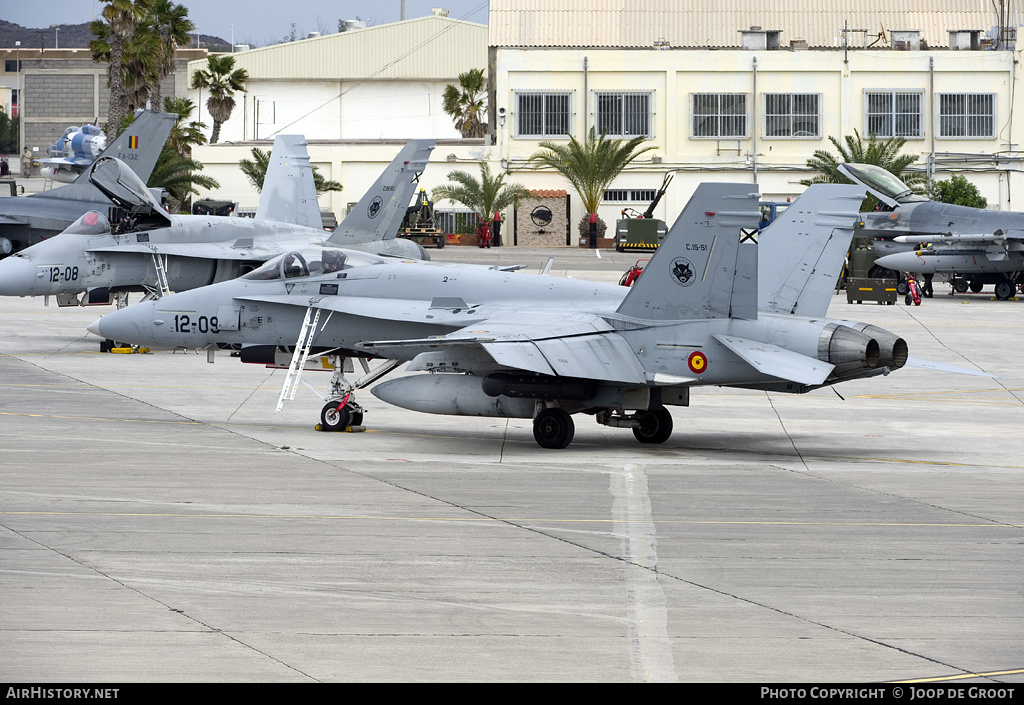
{"points": [[655, 426], [339, 415], [1005, 289], [553, 428], [960, 286], [976, 287]]}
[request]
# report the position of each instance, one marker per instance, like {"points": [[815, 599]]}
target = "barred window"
{"points": [[543, 114], [719, 114], [967, 114], [893, 113], [624, 114], [791, 115], [633, 195]]}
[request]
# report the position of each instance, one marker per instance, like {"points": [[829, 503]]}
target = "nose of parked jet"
{"points": [[133, 325], [17, 276]]}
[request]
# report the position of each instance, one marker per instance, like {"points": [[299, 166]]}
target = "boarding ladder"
{"points": [[302, 347], [160, 263]]}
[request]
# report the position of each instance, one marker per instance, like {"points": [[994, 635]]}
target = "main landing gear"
{"points": [[553, 427]]}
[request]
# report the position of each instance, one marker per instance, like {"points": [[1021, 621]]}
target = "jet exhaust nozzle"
{"points": [[849, 350], [893, 350]]}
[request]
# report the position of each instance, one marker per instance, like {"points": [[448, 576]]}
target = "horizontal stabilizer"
{"points": [[778, 362], [941, 367]]}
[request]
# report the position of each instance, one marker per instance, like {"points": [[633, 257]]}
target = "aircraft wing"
{"points": [[203, 250], [8, 220], [580, 346], [384, 309]]}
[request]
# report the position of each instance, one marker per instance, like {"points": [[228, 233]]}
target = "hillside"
{"points": [[75, 36]]}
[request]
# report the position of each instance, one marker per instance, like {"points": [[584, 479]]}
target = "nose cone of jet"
{"points": [[17, 276], [133, 325]]}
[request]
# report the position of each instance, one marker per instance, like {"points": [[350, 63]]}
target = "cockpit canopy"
{"points": [[121, 185], [883, 185], [92, 223], [311, 263]]}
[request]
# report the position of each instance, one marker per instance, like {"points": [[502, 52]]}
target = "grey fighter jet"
{"points": [[974, 246], [508, 344], [26, 220], [145, 248]]}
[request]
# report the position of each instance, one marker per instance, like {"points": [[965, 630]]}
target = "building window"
{"points": [[543, 114], [893, 113], [791, 115], [629, 195], [623, 114], [719, 114], [967, 115]]}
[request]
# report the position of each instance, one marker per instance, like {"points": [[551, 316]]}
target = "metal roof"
{"points": [[425, 47], [717, 23]]}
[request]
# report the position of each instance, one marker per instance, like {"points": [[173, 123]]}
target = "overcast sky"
{"points": [[259, 22]]}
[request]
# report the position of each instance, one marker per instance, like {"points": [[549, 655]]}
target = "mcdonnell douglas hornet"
{"points": [[506, 344], [143, 248], [974, 246]]}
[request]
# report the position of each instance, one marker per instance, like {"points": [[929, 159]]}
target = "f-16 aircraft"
{"points": [[73, 151], [145, 248], [974, 246], [26, 220], [498, 343]]}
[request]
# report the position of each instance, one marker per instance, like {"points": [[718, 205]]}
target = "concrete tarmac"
{"points": [[160, 522]]}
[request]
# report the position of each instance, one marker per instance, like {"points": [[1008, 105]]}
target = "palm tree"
{"points": [[883, 153], [465, 103], [256, 171], [222, 79], [175, 169], [590, 167], [180, 176], [170, 24], [123, 17], [184, 135], [485, 196]]}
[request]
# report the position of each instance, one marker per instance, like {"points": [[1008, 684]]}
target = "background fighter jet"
{"points": [[974, 246], [73, 151], [508, 344], [26, 220], [147, 249]]}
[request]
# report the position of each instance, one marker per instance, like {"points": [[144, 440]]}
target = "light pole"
{"points": [[21, 100]]}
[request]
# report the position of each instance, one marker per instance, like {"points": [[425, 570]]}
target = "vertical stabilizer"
{"points": [[289, 194], [702, 270], [380, 211], [802, 252]]}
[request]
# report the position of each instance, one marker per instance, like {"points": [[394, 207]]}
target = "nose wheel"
{"points": [[338, 415]]}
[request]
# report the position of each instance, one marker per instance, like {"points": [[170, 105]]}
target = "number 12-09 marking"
{"points": [[183, 323]]}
